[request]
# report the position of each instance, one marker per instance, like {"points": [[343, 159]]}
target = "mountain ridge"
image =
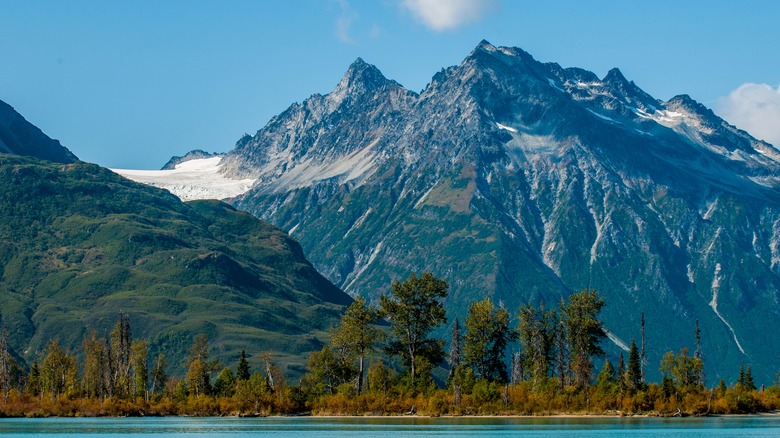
{"points": [[525, 181]]}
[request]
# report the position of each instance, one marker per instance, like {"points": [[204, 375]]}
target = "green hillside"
{"points": [[80, 244]]}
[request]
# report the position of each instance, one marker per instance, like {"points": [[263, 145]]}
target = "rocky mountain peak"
{"points": [[362, 77]]}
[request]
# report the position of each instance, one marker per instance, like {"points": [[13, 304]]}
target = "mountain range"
{"points": [[79, 245], [525, 181]]}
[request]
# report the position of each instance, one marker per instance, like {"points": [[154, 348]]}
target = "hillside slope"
{"points": [[79, 244]]}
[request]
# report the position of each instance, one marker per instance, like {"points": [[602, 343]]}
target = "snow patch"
{"points": [[191, 180], [371, 259], [310, 171], [603, 117], [553, 84], [422, 198], [359, 222], [716, 279], [617, 341], [506, 128]]}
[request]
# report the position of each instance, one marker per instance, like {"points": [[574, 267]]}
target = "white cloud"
{"points": [[447, 14], [344, 22], [754, 108]]}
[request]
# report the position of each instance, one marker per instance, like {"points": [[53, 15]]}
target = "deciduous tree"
{"points": [[414, 308]]}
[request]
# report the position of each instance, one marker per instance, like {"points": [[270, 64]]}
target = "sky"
{"points": [[130, 84]]}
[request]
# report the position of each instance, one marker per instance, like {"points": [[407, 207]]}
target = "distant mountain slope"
{"points": [[20, 137], [525, 181], [80, 244]]}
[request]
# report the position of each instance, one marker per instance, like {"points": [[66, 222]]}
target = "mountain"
{"points": [[197, 154], [525, 181], [20, 137], [79, 244]]}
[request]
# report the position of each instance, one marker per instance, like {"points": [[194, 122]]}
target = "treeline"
{"points": [[370, 368]]}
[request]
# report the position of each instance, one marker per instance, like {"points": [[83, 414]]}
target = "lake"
{"points": [[303, 427]]}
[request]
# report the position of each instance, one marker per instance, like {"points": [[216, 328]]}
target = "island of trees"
{"points": [[385, 360]]}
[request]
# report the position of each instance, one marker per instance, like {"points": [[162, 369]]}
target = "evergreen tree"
{"points": [[606, 377], [633, 374], [643, 357], [414, 309], [749, 384], [243, 367], [698, 354], [487, 334], [741, 378]]}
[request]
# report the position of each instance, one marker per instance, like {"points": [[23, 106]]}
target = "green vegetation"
{"points": [[115, 377], [80, 244]]}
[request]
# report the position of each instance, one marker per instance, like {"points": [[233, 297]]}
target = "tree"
{"points": [[5, 363], [683, 369], [58, 371], [698, 354], [326, 372], [749, 384], [606, 378], [357, 334], [454, 357], [585, 331], [121, 346], [633, 374], [159, 376], [487, 334], [243, 367], [140, 363], [224, 384], [199, 369], [621, 372], [643, 357], [414, 308], [536, 336], [93, 380]]}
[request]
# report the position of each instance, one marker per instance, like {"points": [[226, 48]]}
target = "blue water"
{"points": [[304, 427]]}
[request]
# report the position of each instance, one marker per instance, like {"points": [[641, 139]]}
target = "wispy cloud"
{"points": [[346, 17], [441, 15], [754, 108]]}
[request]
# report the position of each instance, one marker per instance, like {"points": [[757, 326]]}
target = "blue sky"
{"points": [[129, 84]]}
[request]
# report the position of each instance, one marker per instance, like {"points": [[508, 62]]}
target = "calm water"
{"points": [[391, 427]]}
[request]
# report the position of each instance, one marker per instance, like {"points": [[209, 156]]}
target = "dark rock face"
{"points": [[20, 137], [525, 181]]}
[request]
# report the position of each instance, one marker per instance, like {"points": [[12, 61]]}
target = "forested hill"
{"points": [[80, 244]]}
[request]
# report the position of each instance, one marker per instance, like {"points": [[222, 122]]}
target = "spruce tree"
{"points": [[749, 384], [634, 371], [242, 372], [698, 354]]}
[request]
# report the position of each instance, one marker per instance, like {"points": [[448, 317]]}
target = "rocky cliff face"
{"points": [[525, 181], [20, 137]]}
